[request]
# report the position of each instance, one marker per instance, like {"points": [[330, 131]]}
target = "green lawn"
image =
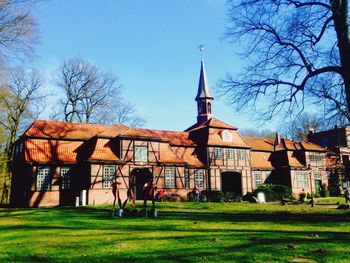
{"points": [[183, 232]]}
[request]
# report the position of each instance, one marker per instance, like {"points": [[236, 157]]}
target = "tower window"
{"points": [[209, 108]]}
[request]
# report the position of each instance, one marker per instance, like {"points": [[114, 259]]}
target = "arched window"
{"points": [[209, 108]]}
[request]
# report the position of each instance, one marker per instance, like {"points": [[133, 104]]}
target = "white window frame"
{"points": [[43, 178], [242, 155], [302, 179], [218, 153], [187, 179], [141, 153], [66, 177], [230, 154], [108, 176], [258, 178], [169, 177], [317, 175], [199, 178]]}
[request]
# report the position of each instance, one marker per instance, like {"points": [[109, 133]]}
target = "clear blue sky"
{"points": [[151, 46]]}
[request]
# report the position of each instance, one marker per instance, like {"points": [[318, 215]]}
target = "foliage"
{"points": [[274, 192], [183, 232], [334, 183], [302, 197], [324, 192], [297, 53], [219, 196]]}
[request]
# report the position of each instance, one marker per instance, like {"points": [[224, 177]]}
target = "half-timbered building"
{"points": [[55, 162]]}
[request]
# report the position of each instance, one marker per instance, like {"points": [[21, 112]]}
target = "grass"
{"points": [[183, 232]]}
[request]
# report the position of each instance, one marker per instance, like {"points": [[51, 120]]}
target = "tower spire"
{"points": [[204, 98]]}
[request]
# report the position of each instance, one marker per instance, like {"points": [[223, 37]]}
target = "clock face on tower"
{"points": [[226, 136]]}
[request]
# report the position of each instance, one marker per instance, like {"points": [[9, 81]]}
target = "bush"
{"points": [[324, 192], [215, 196], [274, 192], [302, 197]]}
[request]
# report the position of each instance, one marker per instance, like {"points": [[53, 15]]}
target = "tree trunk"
{"points": [[340, 17]]}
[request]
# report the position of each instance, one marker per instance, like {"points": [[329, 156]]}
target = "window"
{"points": [[209, 108], [169, 177], [65, 178], [108, 175], [302, 180], [229, 154], [218, 153], [316, 157], [257, 178], [187, 178], [241, 155], [199, 178], [43, 179], [140, 154], [317, 175], [226, 136]]}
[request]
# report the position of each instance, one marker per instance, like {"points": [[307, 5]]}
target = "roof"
{"points": [[215, 139], [212, 123], [293, 161], [71, 130], [48, 151], [260, 144], [167, 155], [261, 160], [56, 151], [203, 87], [102, 150], [188, 155], [174, 137]]}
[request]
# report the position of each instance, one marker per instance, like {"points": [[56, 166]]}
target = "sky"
{"points": [[152, 48]]}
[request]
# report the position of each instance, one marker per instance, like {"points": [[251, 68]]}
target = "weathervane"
{"points": [[201, 49]]}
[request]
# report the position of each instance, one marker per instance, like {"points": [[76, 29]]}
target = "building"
{"points": [[55, 161], [337, 142]]}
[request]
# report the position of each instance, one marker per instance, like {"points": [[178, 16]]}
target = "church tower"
{"points": [[204, 98]]}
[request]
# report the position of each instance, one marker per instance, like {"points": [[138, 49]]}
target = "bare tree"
{"points": [[298, 128], [20, 103], [18, 28], [264, 133], [91, 95], [299, 53]]}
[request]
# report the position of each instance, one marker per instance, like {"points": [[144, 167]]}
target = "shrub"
{"points": [[217, 196], [324, 192], [274, 192], [302, 197]]}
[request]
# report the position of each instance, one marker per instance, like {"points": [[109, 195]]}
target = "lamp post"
{"points": [[312, 194]]}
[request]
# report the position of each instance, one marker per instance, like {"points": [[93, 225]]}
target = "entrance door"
{"points": [[318, 185], [139, 177], [231, 182]]}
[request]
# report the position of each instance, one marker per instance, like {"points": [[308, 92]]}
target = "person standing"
{"points": [[196, 192], [347, 195]]}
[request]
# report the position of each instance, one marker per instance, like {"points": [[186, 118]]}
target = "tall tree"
{"points": [[91, 95], [298, 128], [20, 103], [299, 53], [18, 29]]}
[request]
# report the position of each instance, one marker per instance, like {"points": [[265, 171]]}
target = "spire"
{"points": [[203, 87]]}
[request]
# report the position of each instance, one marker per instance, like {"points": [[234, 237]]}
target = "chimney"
{"points": [[277, 140]]}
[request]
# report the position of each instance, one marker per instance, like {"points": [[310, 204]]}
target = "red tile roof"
{"points": [[71, 131], [48, 151], [102, 151], [212, 123], [188, 155], [261, 160]]}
